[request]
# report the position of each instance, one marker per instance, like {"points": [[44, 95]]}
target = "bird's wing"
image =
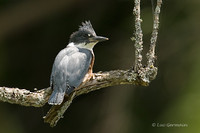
{"points": [[63, 53], [76, 66], [58, 80], [70, 68]]}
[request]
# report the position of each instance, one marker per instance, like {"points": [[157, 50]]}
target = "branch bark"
{"points": [[151, 54], [24, 97], [138, 36], [139, 76], [39, 98]]}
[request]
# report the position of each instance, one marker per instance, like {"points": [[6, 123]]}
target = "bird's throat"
{"points": [[89, 46]]}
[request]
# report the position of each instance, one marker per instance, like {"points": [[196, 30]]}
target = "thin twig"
{"points": [[151, 54], [138, 36]]}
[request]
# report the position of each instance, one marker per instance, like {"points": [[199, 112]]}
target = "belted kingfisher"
{"points": [[73, 65]]}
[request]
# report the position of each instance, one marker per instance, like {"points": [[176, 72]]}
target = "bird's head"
{"points": [[85, 37]]}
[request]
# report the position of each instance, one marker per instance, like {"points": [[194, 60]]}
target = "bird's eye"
{"points": [[89, 35]]}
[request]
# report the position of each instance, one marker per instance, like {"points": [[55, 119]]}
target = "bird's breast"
{"points": [[89, 74]]}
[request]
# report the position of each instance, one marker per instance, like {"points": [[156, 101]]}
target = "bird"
{"points": [[74, 64]]}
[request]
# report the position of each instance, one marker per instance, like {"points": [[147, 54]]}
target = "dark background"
{"points": [[33, 32]]}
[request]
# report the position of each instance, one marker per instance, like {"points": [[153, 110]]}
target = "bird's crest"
{"points": [[87, 26]]}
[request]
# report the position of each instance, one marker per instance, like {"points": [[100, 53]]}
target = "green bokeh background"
{"points": [[33, 32]]}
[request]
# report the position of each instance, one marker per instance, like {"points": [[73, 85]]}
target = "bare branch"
{"points": [[56, 112], [138, 36], [151, 54], [24, 97]]}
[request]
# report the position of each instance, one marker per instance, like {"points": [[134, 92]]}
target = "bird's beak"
{"points": [[98, 39]]}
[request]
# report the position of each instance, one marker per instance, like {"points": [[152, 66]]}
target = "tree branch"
{"points": [[24, 97], [138, 36], [151, 54], [39, 98]]}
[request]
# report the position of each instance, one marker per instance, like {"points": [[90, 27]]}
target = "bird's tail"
{"points": [[56, 98]]}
